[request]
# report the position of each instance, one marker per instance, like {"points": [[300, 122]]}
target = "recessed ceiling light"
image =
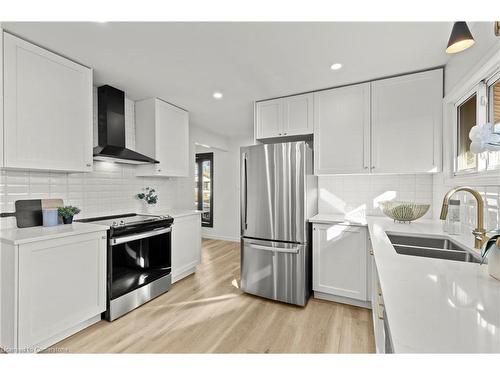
{"points": [[336, 66], [217, 95]]}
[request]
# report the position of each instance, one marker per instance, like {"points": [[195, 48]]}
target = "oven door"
{"points": [[138, 259]]}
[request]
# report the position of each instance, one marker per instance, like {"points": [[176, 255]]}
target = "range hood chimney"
{"points": [[111, 129]]}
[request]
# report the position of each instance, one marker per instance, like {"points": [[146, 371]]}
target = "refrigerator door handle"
{"points": [[291, 250], [245, 196]]}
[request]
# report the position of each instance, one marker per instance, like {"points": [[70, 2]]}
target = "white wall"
{"points": [[460, 64], [226, 224]]}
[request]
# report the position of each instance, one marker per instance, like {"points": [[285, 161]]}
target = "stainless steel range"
{"points": [[138, 261]]}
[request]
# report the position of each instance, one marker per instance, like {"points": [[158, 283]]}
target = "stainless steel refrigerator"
{"points": [[278, 195]]}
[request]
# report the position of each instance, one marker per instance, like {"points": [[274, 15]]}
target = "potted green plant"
{"points": [[149, 197], [67, 213]]}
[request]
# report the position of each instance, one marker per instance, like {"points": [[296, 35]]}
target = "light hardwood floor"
{"points": [[207, 313]]}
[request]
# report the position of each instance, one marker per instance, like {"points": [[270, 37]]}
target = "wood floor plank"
{"points": [[207, 313]]}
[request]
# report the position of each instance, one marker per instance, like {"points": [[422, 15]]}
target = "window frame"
{"points": [[481, 73], [491, 81], [199, 159], [461, 101]]}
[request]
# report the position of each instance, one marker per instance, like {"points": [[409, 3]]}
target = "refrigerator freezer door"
{"points": [[276, 270], [273, 192]]}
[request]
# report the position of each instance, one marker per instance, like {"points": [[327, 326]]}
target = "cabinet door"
{"points": [[406, 123], [62, 283], [342, 130], [339, 260], [186, 246], [172, 140], [47, 109], [269, 118], [298, 115]]}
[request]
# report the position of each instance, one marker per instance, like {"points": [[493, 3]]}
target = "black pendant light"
{"points": [[460, 38]]}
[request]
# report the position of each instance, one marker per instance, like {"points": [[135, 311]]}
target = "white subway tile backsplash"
{"points": [[346, 194]]}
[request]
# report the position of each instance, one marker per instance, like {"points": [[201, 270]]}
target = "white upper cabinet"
{"points": [[269, 118], [298, 114], [407, 122], [162, 132], [282, 117], [399, 132], [342, 130], [47, 109]]}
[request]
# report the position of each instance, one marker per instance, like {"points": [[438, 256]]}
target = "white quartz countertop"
{"points": [[178, 212], [435, 305], [18, 236], [338, 218]]}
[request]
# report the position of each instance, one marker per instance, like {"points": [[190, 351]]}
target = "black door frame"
{"points": [[206, 156]]}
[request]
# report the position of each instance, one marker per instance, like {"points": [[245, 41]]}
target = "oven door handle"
{"points": [[138, 236]]}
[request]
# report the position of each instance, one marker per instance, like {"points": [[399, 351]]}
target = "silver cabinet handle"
{"points": [[291, 250], [134, 237]]}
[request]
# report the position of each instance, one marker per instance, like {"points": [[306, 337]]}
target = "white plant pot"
{"points": [[149, 208], [494, 262]]}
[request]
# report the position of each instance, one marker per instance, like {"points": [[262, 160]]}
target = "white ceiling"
{"points": [[184, 63]]}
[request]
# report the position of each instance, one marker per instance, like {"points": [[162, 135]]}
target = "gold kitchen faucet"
{"points": [[479, 232]]}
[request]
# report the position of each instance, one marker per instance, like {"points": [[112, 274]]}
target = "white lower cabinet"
{"points": [[377, 309], [186, 245], [51, 289], [340, 271]]}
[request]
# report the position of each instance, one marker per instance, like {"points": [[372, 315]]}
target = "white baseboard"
{"points": [[56, 338], [345, 300], [183, 274], [222, 238]]}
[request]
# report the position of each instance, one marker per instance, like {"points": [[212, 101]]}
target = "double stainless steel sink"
{"points": [[429, 247]]}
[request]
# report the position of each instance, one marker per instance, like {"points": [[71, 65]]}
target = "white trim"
{"points": [[485, 68], [344, 300], [221, 238], [184, 272], [493, 79], [457, 104]]}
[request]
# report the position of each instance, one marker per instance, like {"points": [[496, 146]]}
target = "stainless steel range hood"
{"points": [[111, 129]]}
